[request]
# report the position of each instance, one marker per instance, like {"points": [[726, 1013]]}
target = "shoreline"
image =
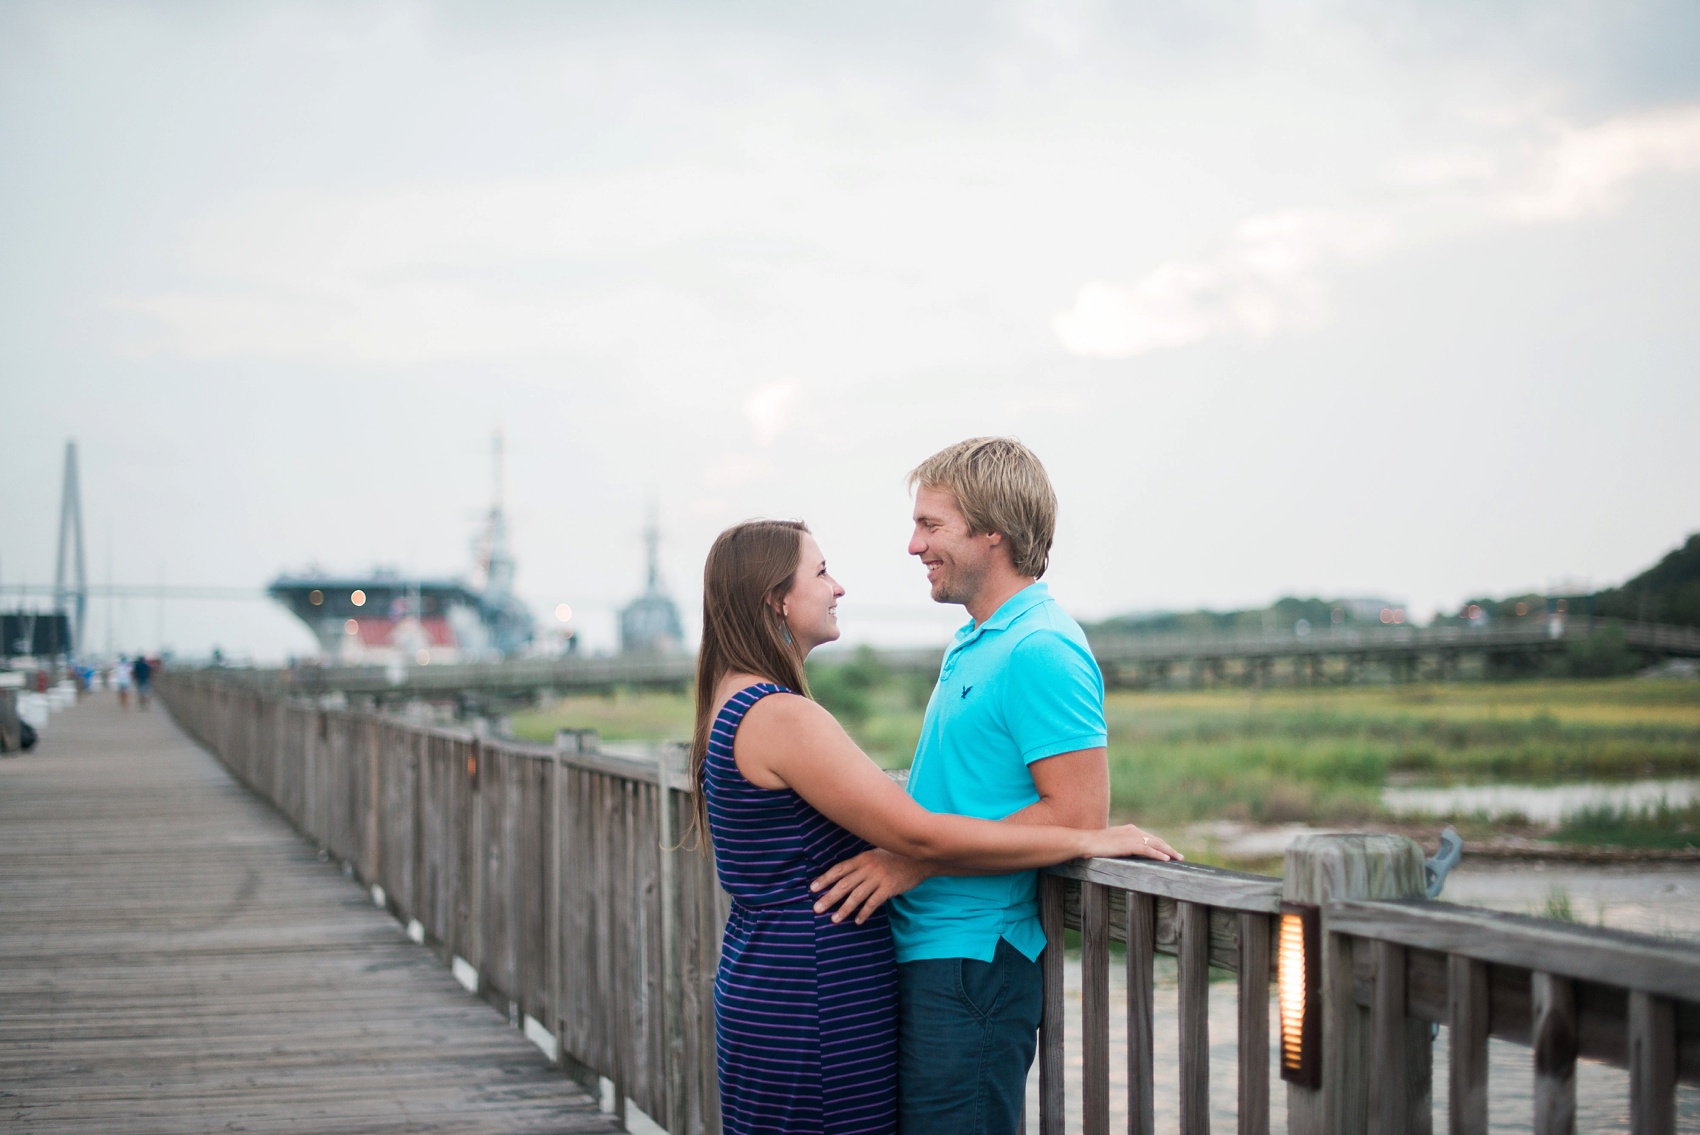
{"points": [[1247, 845]]}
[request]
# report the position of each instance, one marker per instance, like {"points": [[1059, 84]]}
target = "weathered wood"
{"points": [[1051, 900], [176, 958], [1254, 1024], [552, 1022], [1388, 1111], [672, 1032], [1467, 1033], [1141, 953], [1554, 1028], [1602, 1010], [1095, 1009], [1652, 1065], [1663, 966], [1218, 887], [1194, 975], [1224, 927], [1322, 870]]}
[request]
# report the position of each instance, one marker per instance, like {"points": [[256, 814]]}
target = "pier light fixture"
{"points": [[1298, 960], [358, 598], [352, 626], [564, 613], [423, 657], [316, 597]]}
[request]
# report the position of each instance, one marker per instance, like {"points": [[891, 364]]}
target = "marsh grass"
{"points": [[1324, 755], [1558, 905], [620, 715], [1660, 827], [1281, 755]]}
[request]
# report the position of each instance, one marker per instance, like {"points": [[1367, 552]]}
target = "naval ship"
{"points": [[385, 616]]}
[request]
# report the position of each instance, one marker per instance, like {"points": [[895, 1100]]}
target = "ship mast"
{"points": [[495, 561]]}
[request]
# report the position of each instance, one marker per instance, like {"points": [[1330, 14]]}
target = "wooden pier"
{"points": [[175, 958]]}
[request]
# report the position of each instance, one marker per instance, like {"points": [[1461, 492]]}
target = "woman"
{"points": [[805, 1005]]}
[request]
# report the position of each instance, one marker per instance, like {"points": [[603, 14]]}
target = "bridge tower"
{"points": [[71, 595]]}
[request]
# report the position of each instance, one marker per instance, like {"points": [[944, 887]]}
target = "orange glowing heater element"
{"points": [[1298, 974]]}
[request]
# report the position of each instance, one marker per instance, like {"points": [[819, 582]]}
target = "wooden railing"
{"points": [[551, 881], [1392, 965], [1564, 990], [1205, 917]]}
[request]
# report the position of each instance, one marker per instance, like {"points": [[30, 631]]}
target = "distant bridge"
{"points": [[1329, 656], [1401, 654]]}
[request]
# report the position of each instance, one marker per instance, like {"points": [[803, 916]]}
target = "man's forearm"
{"points": [[1085, 814], [1074, 791]]}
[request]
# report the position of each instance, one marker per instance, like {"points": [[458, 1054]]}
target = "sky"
{"points": [[1312, 297]]}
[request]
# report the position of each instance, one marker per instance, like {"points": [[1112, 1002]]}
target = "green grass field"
{"points": [[1320, 756]]}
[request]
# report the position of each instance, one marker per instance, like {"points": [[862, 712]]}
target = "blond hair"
{"points": [[1000, 485]]}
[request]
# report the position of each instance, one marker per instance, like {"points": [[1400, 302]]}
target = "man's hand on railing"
{"points": [[860, 885]]}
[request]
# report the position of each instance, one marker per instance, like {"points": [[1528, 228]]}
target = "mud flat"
{"points": [[1649, 898]]}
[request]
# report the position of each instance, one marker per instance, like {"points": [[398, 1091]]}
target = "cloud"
{"points": [[433, 273], [1270, 278], [1585, 170], [769, 409]]}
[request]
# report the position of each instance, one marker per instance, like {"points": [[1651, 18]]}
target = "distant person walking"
{"points": [[142, 672], [121, 681]]}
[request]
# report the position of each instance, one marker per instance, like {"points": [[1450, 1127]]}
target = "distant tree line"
{"points": [[1283, 614], [1667, 592]]}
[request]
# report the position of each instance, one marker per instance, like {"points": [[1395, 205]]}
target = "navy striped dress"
{"points": [[805, 1009]]}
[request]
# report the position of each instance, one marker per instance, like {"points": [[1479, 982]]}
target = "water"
{"points": [[1647, 898], [1541, 804]]}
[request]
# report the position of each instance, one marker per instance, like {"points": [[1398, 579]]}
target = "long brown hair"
{"points": [[749, 572]]}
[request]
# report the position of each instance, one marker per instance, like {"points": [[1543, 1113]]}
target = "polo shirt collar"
{"points": [[1013, 608]]}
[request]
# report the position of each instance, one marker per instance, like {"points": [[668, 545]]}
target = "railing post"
{"points": [[475, 882], [1192, 926], [552, 912], [1052, 897], [673, 1047], [1322, 869]]}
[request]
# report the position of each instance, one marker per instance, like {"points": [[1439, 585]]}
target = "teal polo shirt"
{"points": [[1018, 688]]}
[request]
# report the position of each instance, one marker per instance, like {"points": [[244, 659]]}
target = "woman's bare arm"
{"points": [[788, 741]]}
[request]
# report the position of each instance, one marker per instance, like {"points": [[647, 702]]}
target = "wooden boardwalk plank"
{"points": [[175, 958]]}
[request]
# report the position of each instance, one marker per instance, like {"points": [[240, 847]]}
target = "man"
{"points": [[142, 671], [1014, 731]]}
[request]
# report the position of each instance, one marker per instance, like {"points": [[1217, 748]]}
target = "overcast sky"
{"points": [[1320, 298]]}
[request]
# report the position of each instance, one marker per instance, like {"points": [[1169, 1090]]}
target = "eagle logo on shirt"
{"points": [[966, 690]]}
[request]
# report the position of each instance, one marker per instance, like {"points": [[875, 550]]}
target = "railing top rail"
{"points": [[1591, 953], [1185, 882]]}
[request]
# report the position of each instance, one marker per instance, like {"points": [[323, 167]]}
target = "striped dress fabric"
{"points": [[805, 1010]]}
